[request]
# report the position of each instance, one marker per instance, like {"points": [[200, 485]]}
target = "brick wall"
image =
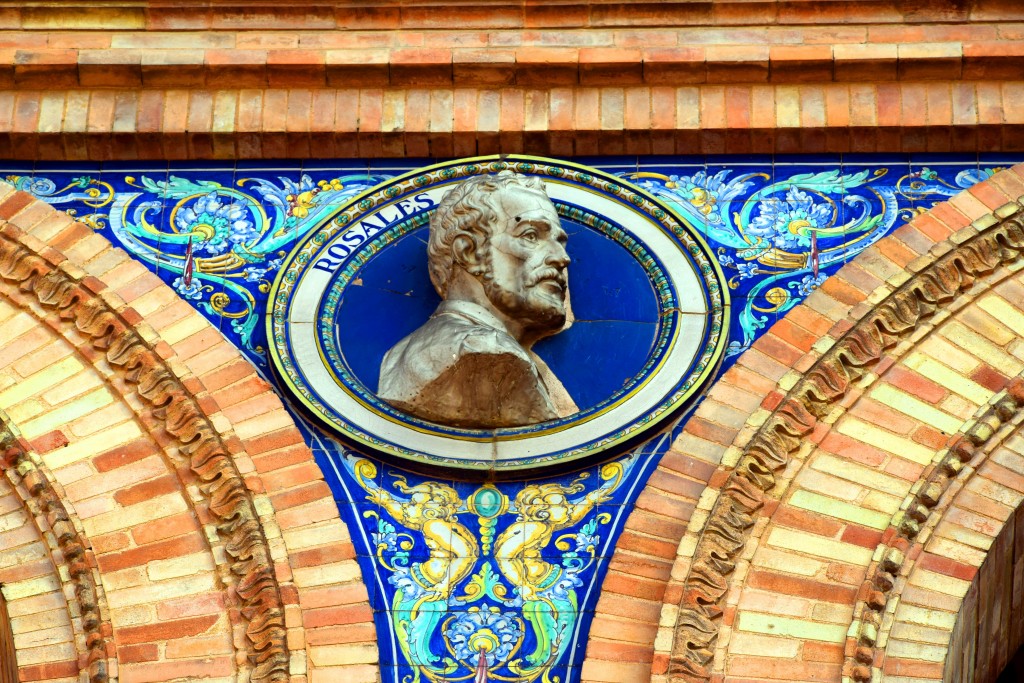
{"points": [[232, 80]]}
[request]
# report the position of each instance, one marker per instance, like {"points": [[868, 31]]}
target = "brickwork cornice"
{"points": [[222, 80]]}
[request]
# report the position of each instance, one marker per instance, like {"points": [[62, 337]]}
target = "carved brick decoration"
{"points": [[78, 302], [999, 240]]}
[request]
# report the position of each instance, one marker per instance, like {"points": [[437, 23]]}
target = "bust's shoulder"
{"points": [[450, 335]]}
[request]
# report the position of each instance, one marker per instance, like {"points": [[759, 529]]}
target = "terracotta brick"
{"points": [[547, 66], [159, 550], [731, 64], [418, 67], [930, 61], [993, 60], [296, 68], [802, 587], [610, 66], [865, 63], [800, 63], [244, 68], [484, 67]]}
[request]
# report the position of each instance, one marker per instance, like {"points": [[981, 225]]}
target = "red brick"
{"points": [[138, 493], [160, 550], [800, 63], [944, 565], [801, 587], [337, 616], [165, 630]]}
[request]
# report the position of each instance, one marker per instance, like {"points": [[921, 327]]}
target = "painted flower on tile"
{"points": [[217, 223], [488, 630], [193, 290], [788, 223]]}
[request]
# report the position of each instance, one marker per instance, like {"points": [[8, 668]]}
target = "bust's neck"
{"points": [[465, 287]]}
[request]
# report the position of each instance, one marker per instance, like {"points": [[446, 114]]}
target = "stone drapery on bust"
{"points": [[497, 257]]}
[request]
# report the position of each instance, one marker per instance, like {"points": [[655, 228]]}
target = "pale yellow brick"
{"points": [[968, 537], [187, 565], [832, 612], [337, 655], [883, 502], [47, 636], [184, 328], [12, 520], [974, 321], [884, 440], [71, 387], [772, 624], [819, 546], [931, 618], [14, 328], [39, 621], [47, 653], [997, 357], [54, 375], [939, 583], [125, 518], [125, 578], [840, 509], [921, 634], [859, 474], [956, 551], [57, 417], [264, 424], [935, 346], [824, 483], [915, 408], [315, 535], [22, 554], [364, 673], [1005, 312], [79, 449], [995, 491], [25, 410], [136, 615], [758, 644], [949, 378], [162, 590], [37, 603], [956, 405], [339, 572], [908, 650], [16, 590], [792, 564]]}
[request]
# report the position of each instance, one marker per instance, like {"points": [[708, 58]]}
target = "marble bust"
{"points": [[497, 257]]}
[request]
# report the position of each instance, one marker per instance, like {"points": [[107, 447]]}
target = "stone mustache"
{"points": [[497, 257]]}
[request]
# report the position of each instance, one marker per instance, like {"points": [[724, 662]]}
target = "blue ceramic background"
{"points": [[216, 234], [612, 298]]}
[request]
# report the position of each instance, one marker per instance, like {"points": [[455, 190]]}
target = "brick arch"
{"points": [[862, 502], [224, 473], [47, 635], [955, 610], [663, 602]]}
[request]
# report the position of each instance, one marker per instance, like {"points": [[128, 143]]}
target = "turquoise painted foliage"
{"points": [[779, 235], [502, 576]]}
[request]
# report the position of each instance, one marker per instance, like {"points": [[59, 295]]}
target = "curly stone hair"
{"points": [[469, 209]]}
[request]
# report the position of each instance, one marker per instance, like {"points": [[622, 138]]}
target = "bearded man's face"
{"points": [[528, 278]]}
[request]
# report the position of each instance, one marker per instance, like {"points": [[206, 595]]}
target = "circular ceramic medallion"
{"points": [[647, 307]]}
